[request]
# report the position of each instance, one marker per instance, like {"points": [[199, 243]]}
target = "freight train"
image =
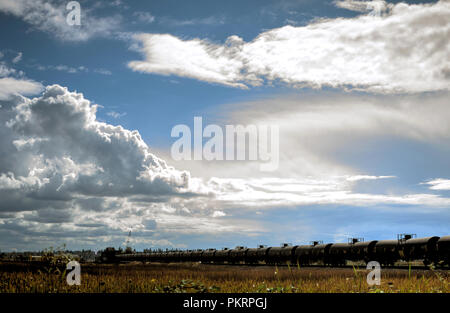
{"points": [[430, 250]]}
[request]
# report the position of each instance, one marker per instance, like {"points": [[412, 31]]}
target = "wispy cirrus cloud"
{"points": [[144, 17], [115, 114], [72, 69], [210, 20], [17, 58]]}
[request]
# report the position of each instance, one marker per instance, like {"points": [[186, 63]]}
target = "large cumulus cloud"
{"points": [[54, 149]]}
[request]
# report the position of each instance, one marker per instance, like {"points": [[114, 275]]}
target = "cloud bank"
{"points": [[403, 51]]}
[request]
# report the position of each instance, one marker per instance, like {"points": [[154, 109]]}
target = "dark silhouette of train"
{"points": [[430, 250]]}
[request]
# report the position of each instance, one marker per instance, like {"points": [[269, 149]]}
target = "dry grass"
{"points": [[216, 278]]}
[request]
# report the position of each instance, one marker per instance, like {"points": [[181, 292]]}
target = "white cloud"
{"points": [[320, 154], [82, 155], [210, 20], [73, 69], [6, 70], [363, 6], [439, 184], [17, 58], [273, 192], [115, 114], [218, 214], [198, 59], [50, 17], [63, 68], [102, 71], [10, 86], [404, 50], [367, 177], [144, 17]]}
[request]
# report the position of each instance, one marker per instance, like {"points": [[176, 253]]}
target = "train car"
{"points": [[320, 253], [339, 254], [174, 256], [196, 255], [139, 257], [185, 256], [256, 255], [423, 249], [208, 255], [123, 257], [167, 256], [178, 256], [262, 254], [108, 255], [238, 255], [363, 251], [151, 257], [222, 256], [287, 254], [157, 256], [303, 255], [273, 255], [443, 251], [280, 255], [387, 252]]}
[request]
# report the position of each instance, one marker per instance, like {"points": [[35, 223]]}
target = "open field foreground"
{"points": [[191, 277]]}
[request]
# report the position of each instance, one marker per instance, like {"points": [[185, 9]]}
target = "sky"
{"points": [[359, 91]]}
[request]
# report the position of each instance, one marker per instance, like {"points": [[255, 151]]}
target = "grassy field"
{"points": [[215, 278]]}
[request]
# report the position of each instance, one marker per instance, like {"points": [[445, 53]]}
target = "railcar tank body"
{"points": [[222, 256], [420, 249], [363, 251], [196, 255], [238, 254], [443, 250], [339, 254], [273, 255], [208, 256], [303, 255], [387, 252], [256, 255], [320, 253]]}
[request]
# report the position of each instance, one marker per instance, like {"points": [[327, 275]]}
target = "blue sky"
{"points": [[361, 101]]}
